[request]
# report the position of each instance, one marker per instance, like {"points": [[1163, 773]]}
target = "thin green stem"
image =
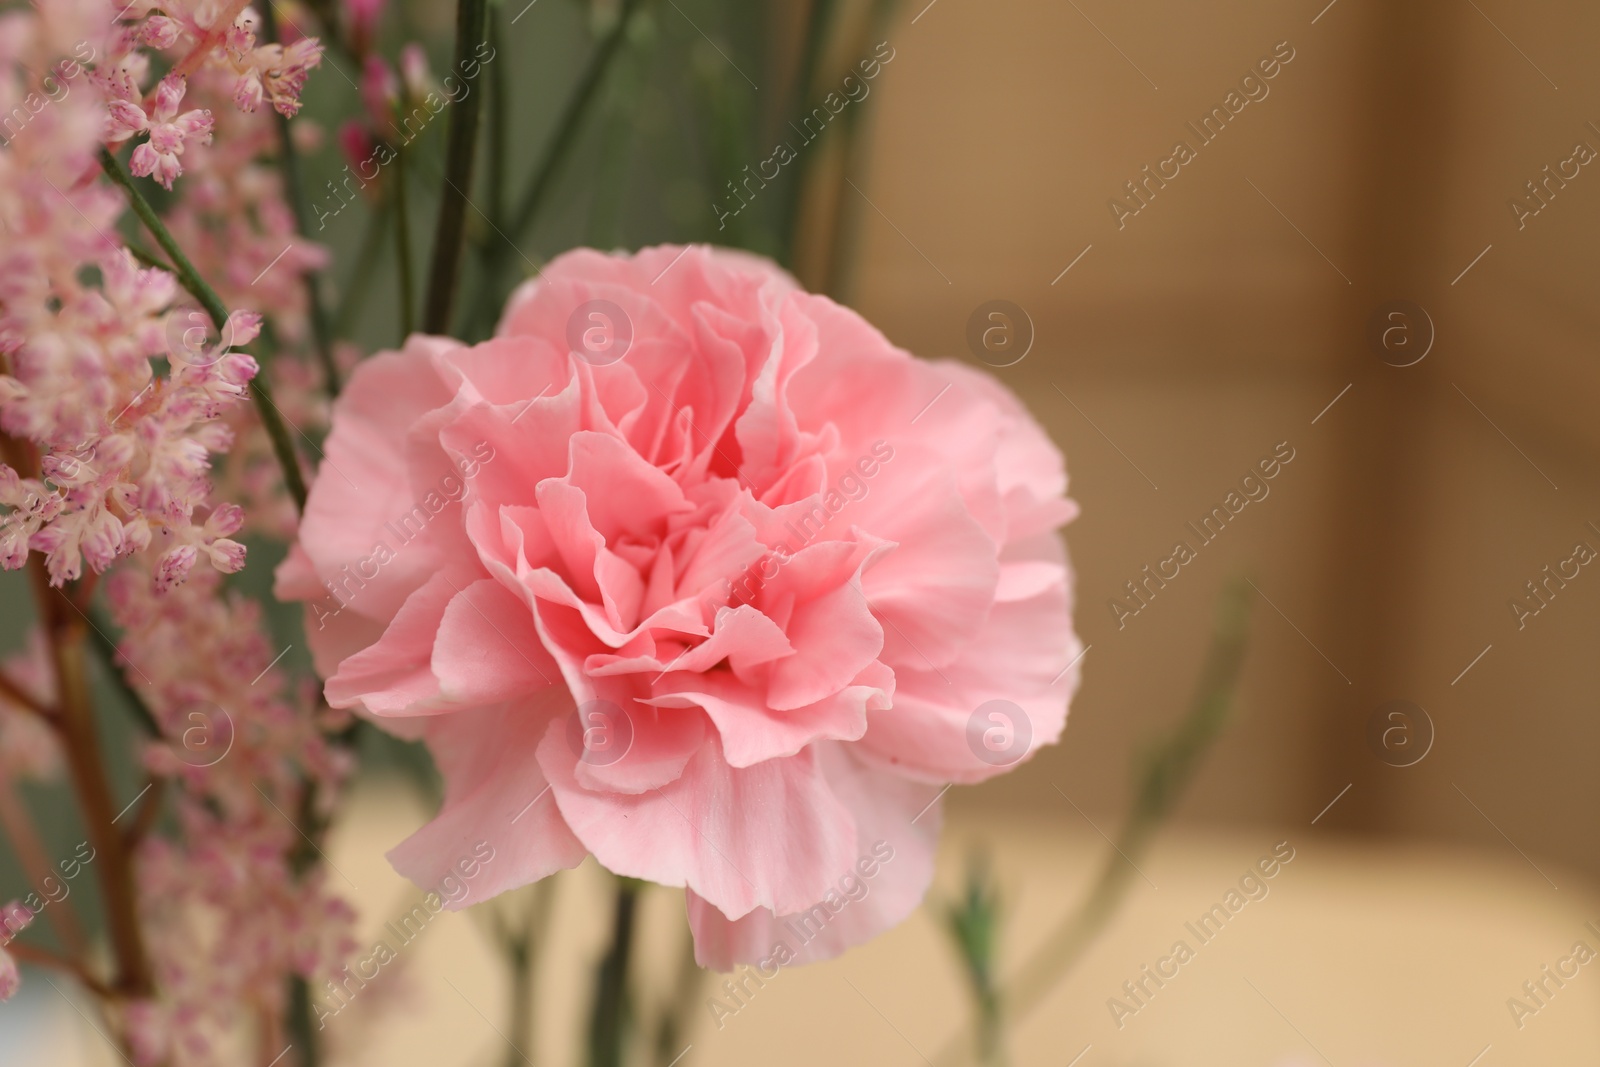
{"points": [[106, 649], [361, 272], [1169, 768], [818, 21], [499, 118], [571, 120], [498, 248], [521, 948], [608, 1018], [289, 160], [302, 1016], [402, 232], [450, 233], [676, 1018], [147, 257], [277, 428], [973, 922]]}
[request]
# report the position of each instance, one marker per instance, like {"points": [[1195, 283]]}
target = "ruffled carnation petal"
{"points": [[897, 834], [497, 802], [763, 836]]}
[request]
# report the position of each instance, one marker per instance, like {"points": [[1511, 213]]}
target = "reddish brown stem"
{"points": [[81, 741], [63, 627], [145, 818], [19, 696], [44, 958], [24, 838]]}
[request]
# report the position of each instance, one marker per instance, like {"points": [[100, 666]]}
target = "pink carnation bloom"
{"points": [[781, 568]]}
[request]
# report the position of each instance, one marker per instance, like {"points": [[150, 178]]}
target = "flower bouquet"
{"points": [[653, 557]]}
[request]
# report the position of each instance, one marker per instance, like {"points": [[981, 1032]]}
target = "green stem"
{"points": [[499, 119], [567, 126], [606, 1023], [1168, 771], [498, 249], [289, 159], [450, 233], [677, 1017], [818, 20], [361, 272], [521, 948], [189, 278], [302, 1015], [147, 257], [402, 232], [106, 649]]}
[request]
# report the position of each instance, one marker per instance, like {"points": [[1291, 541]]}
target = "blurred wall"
{"points": [[1176, 346]]}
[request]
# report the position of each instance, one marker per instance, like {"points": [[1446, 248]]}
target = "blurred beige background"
{"points": [[1224, 318]]}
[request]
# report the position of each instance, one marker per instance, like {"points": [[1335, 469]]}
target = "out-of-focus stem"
{"points": [[499, 118], [497, 250], [611, 982], [20, 697], [973, 923], [63, 627], [818, 21], [106, 649], [1168, 770], [149, 809], [44, 958], [450, 232], [355, 291], [302, 1032], [189, 278], [402, 232], [685, 997], [571, 119], [289, 159], [80, 740], [522, 948], [30, 850]]}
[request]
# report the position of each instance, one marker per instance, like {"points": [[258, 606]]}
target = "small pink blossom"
{"points": [[415, 73], [380, 89], [362, 17], [272, 72], [169, 132], [14, 918], [357, 143], [160, 32], [10, 977], [175, 566]]}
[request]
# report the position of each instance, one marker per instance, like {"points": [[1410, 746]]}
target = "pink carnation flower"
{"points": [[696, 572]]}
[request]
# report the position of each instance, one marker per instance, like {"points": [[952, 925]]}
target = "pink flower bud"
{"points": [[362, 17], [10, 977], [248, 92], [414, 72], [355, 141], [243, 327], [159, 31], [226, 555], [126, 118], [14, 918], [175, 566], [169, 94], [379, 90], [225, 520]]}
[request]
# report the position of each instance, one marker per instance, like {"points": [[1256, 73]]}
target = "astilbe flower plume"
{"points": [[229, 910], [109, 467]]}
